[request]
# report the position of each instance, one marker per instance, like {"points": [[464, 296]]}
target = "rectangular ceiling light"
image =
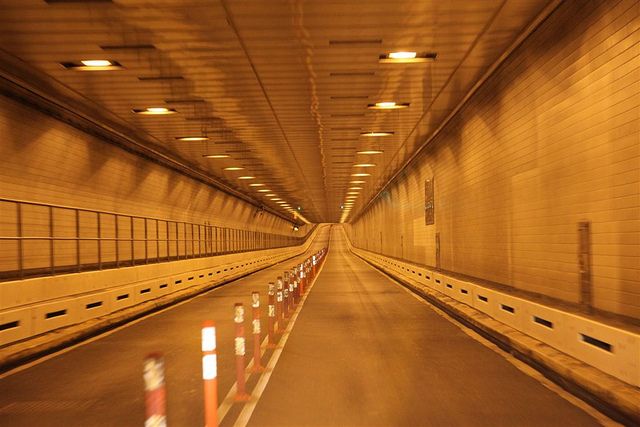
{"points": [[406, 57]]}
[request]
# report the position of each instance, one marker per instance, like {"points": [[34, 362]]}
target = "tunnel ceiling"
{"points": [[281, 87]]}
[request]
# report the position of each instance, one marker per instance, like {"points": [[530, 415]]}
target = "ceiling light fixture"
{"points": [[263, 190], [406, 57], [246, 177], [376, 133], [357, 182], [360, 174], [364, 165], [233, 168], [256, 185], [192, 138], [370, 152], [93, 65], [387, 105], [216, 156], [270, 195], [355, 188], [154, 111]]}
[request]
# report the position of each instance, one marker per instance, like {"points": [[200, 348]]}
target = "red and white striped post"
{"points": [[255, 305], [285, 313], [272, 315], [241, 394], [210, 374], [279, 304], [154, 391], [292, 291], [313, 263]]}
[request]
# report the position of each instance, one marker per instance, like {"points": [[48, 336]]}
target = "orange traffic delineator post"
{"points": [[272, 316], [154, 391], [285, 313], [292, 288], [279, 303], [241, 394], [255, 305], [210, 374]]}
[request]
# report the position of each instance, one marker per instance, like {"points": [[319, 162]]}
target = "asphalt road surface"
{"points": [[362, 352]]}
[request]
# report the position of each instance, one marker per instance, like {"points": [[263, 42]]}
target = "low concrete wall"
{"points": [[36, 314], [601, 359]]}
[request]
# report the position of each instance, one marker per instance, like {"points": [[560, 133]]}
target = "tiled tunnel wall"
{"points": [[550, 140], [47, 161]]}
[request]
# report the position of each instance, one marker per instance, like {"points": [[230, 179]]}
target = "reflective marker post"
{"points": [[255, 304], [210, 374], [272, 315], [279, 308], [241, 394], [154, 391]]}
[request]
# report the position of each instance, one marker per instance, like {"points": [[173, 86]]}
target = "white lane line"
{"points": [[256, 394], [133, 322]]}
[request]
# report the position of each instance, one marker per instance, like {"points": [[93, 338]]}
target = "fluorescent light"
{"points": [[269, 195], [387, 105], [360, 174], [247, 177], [355, 188], [192, 138], [96, 63], [233, 168], [216, 156], [154, 111], [370, 152], [256, 185], [93, 65], [376, 133], [263, 190], [276, 198], [357, 182], [402, 55], [364, 165], [353, 192], [405, 57]]}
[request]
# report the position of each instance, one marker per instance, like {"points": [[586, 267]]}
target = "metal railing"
{"points": [[38, 239]]}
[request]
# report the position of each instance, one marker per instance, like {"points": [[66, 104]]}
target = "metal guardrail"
{"points": [[39, 239]]}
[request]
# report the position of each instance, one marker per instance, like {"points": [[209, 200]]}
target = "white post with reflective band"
{"points": [[238, 318], [255, 305], [154, 391], [210, 374]]}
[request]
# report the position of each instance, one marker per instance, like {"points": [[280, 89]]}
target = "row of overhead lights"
{"points": [[109, 65], [403, 57]]}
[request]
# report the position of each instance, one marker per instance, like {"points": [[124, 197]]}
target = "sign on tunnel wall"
{"points": [[429, 218]]}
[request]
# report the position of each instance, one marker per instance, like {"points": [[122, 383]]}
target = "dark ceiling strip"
{"points": [[127, 47]]}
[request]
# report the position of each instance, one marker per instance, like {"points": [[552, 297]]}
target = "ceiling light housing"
{"points": [[377, 133], [233, 168], [361, 174], [370, 152], [155, 111], [388, 105], [246, 177], [256, 185], [216, 156], [192, 138], [405, 57], [93, 65], [364, 165]]}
